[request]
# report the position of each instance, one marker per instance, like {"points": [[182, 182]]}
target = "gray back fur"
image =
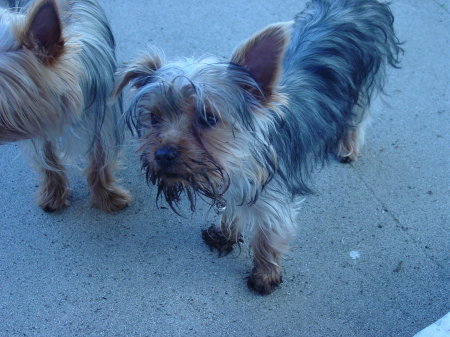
{"points": [[98, 59], [336, 60]]}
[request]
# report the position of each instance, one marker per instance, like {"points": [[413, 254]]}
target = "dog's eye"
{"points": [[207, 120], [154, 119]]}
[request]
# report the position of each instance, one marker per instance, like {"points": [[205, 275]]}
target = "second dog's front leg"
{"points": [[54, 189], [222, 237], [272, 226], [268, 248], [106, 194]]}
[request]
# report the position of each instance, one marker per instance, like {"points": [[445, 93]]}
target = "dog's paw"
{"points": [[348, 149], [347, 159], [112, 199], [216, 239], [53, 203], [54, 193], [264, 283]]}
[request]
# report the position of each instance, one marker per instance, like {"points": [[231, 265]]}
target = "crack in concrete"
{"points": [[396, 219], [442, 5]]}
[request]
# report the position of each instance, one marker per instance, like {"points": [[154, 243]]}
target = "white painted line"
{"points": [[441, 328]]}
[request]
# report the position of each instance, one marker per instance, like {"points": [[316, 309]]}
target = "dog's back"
{"points": [[86, 21], [334, 63]]}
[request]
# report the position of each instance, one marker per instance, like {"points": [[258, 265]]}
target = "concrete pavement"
{"points": [[372, 253]]}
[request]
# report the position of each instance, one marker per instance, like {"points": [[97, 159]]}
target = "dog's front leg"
{"points": [[266, 273], [54, 189], [271, 221], [224, 236], [106, 194]]}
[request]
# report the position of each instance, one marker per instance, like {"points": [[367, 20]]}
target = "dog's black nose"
{"points": [[166, 156]]}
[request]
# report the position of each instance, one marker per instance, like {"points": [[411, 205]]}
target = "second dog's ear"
{"points": [[140, 72], [43, 31], [262, 56]]}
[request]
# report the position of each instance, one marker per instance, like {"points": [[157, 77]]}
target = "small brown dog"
{"points": [[246, 133], [57, 64]]}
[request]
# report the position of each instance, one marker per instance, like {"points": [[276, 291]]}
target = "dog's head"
{"points": [[36, 75], [204, 124]]}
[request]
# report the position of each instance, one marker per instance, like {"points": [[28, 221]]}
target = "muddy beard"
{"points": [[209, 183]]}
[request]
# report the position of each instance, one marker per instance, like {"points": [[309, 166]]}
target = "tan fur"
{"points": [[349, 148], [106, 195], [143, 66], [30, 109], [281, 33], [54, 188], [56, 47]]}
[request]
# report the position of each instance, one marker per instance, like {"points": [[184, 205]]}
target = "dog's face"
{"points": [[201, 121], [184, 139]]}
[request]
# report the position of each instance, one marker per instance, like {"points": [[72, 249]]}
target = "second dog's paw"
{"points": [[111, 200], [216, 239], [264, 283], [348, 159], [53, 199], [53, 204]]}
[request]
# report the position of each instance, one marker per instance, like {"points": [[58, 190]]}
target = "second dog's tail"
{"points": [[336, 60], [363, 29]]}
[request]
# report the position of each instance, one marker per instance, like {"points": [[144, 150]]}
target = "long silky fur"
{"points": [[335, 62]]}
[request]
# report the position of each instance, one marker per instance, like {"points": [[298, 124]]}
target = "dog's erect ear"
{"points": [[43, 31], [139, 72], [262, 56]]}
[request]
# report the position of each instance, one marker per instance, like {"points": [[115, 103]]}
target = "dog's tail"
{"points": [[336, 60], [363, 30]]}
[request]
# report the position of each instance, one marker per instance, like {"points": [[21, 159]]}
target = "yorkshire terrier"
{"points": [[57, 66], [246, 133]]}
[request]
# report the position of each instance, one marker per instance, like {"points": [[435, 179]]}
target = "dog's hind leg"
{"points": [[54, 188], [349, 147], [107, 141]]}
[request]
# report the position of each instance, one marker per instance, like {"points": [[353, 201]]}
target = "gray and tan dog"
{"points": [[57, 65], [246, 133]]}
